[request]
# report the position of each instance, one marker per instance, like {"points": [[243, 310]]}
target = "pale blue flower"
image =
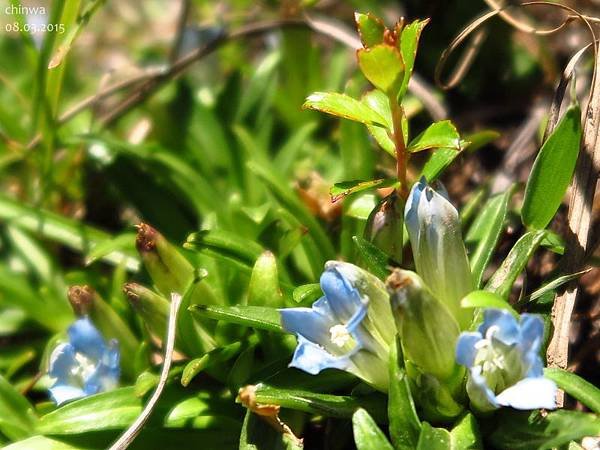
{"points": [[504, 362], [85, 365], [349, 328], [438, 249]]}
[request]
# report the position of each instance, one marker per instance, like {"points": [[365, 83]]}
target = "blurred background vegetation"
{"points": [[187, 115]]}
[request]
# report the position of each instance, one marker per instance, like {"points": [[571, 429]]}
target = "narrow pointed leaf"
{"points": [[328, 405], [532, 431], [367, 434], [503, 279], [485, 232], [574, 385], [375, 259], [251, 316], [344, 188], [405, 425], [554, 284], [409, 42], [552, 171]]}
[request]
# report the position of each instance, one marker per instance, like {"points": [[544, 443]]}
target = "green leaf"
{"points": [[291, 202], [480, 138], [307, 293], [380, 103], [577, 387], [17, 418], [409, 42], [52, 311], [124, 243], [370, 28], [382, 65], [554, 242], [552, 171], [443, 157], [342, 105], [41, 443], [465, 434], [434, 438], [405, 425], [226, 243], [486, 231], [486, 299], [361, 207], [554, 284], [503, 279], [438, 162], [215, 356], [441, 134], [259, 317], [345, 188], [111, 410], [328, 405], [531, 431], [367, 434], [63, 230], [259, 435], [382, 137], [374, 258]]}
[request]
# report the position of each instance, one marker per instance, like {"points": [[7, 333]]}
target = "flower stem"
{"points": [[401, 154]]}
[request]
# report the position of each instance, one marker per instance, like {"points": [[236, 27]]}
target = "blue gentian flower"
{"points": [[504, 362], [85, 365], [438, 249], [349, 328]]}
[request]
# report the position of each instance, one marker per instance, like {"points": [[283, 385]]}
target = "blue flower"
{"points": [[504, 362], [349, 328], [438, 249], [85, 365]]}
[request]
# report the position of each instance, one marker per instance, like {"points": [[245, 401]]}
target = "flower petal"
{"points": [[314, 323], [62, 393], [86, 339], [506, 327], [530, 393], [312, 359], [532, 332], [465, 348], [343, 298], [411, 216], [106, 375], [480, 394], [62, 361]]}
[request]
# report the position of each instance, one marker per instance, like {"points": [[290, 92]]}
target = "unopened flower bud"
{"points": [[152, 308], [168, 268], [438, 249], [81, 299], [427, 328], [87, 302], [385, 226]]}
